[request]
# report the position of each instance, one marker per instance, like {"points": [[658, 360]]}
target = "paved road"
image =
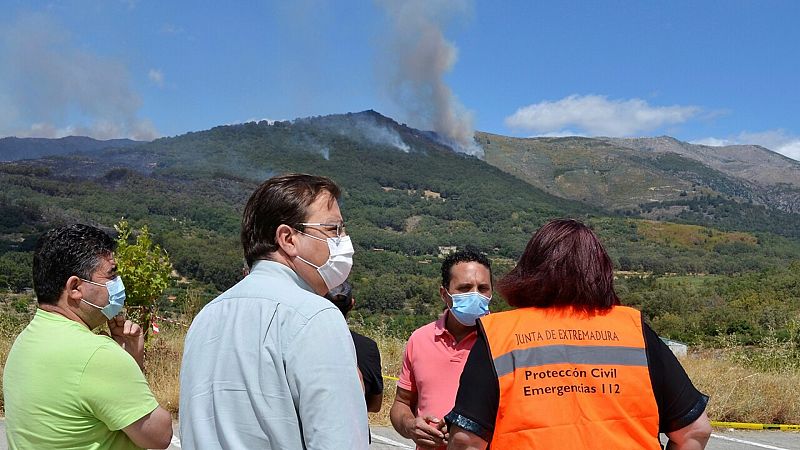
{"points": [[385, 438]]}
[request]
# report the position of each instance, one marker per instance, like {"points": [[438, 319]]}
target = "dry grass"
{"points": [[742, 394], [163, 365], [391, 349], [5, 346], [12, 322], [739, 392]]}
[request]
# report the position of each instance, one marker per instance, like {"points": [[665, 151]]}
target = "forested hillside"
{"points": [[407, 198]]}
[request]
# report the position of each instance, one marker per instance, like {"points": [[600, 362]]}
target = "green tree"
{"points": [[145, 269], [15, 271]]}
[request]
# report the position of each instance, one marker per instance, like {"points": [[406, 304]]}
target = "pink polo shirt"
{"points": [[432, 366]]}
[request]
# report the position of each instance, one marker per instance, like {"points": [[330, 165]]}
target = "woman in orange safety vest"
{"points": [[571, 368]]}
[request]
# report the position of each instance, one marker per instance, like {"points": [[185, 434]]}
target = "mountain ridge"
{"points": [[616, 174], [632, 173], [14, 148]]}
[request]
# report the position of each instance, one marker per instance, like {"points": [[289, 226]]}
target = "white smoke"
{"points": [[60, 88], [415, 61], [381, 135]]}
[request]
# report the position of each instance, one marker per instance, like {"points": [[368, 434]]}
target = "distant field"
{"points": [[691, 235]]}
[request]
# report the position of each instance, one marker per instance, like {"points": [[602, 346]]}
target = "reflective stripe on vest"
{"points": [[571, 382]]}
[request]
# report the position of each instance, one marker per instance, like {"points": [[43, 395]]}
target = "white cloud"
{"points": [[712, 142], [596, 115], [156, 76], [50, 86], [790, 149], [778, 141], [560, 133]]}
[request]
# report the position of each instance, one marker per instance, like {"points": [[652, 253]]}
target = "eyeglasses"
{"points": [[338, 227]]}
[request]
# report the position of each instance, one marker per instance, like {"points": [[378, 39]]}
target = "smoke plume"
{"points": [[380, 135], [50, 87], [414, 64]]}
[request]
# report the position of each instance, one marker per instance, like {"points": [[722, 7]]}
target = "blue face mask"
{"points": [[116, 297], [468, 306]]}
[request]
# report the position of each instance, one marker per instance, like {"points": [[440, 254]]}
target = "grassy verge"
{"points": [[163, 364], [746, 384], [391, 349], [742, 394], [755, 384]]}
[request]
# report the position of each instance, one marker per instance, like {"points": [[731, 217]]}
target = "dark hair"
{"points": [[564, 264], [468, 255], [342, 297], [64, 252], [280, 200]]}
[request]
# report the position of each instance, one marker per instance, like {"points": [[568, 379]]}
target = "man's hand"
{"points": [[425, 431], [428, 431], [128, 335]]}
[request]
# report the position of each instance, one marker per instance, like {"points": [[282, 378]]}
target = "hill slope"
{"points": [[404, 192], [628, 174]]}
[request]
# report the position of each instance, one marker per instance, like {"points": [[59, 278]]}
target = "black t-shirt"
{"points": [[369, 363], [679, 402]]}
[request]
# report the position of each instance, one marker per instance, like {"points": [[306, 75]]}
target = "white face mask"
{"points": [[336, 269]]}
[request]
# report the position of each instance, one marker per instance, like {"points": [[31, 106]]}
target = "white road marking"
{"points": [[742, 441], [388, 441]]}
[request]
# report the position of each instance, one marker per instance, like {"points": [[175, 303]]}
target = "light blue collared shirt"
{"points": [[271, 365]]}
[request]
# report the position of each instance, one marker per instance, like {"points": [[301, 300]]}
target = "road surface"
{"points": [[385, 438]]}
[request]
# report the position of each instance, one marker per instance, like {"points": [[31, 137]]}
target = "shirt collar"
{"points": [[263, 266], [440, 327]]}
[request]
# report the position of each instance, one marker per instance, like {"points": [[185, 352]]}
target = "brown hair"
{"points": [[280, 200], [564, 265]]}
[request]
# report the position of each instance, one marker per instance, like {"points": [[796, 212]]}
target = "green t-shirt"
{"points": [[65, 387]]}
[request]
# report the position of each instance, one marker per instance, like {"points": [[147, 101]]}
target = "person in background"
{"points": [[270, 363], [367, 354], [571, 368], [436, 353], [65, 386]]}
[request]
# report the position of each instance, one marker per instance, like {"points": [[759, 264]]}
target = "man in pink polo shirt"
{"points": [[436, 353]]}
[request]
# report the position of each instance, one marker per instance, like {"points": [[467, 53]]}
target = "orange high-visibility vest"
{"points": [[568, 381]]}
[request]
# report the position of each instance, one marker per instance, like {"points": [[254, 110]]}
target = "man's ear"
{"points": [[71, 287], [285, 238], [445, 298]]}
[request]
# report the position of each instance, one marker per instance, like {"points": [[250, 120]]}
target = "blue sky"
{"points": [[714, 72]]}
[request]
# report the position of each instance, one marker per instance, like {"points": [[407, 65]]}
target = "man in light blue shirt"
{"points": [[270, 363]]}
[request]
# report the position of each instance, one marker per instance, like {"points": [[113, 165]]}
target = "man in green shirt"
{"points": [[65, 387]]}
